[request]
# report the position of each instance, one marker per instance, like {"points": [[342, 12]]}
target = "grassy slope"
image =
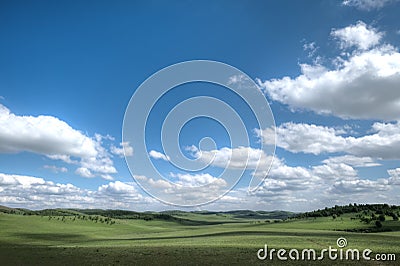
{"points": [[38, 240]]}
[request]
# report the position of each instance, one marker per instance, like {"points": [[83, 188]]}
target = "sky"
{"points": [[328, 70]]}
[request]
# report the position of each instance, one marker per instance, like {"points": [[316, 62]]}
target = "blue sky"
{"points": [[329, 69]]}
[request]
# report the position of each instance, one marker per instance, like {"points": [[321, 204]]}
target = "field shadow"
{"points": [[221, 234], [53, 236]]}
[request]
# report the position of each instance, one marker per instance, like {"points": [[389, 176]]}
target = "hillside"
{"points": [[175, 215], [110, 237]]}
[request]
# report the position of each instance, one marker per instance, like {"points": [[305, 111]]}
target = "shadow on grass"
{"points": [[53, 237], [232, 233], [83, 238]]}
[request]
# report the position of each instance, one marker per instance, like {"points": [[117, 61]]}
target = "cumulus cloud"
{"points": [[367, 5], [185, 188], [358, 186], [35, 192], [49, 136], [23, 189], [42, 134], [117, 187], [327, 184], [124, 150], [291, 177], [158, 155], [382, 143], [290, 188], [304, 138], [362, 85], [394, 176], [335, 178], [359, 35]]}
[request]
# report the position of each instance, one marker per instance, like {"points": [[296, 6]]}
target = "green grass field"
{"points": [[213, 239]]}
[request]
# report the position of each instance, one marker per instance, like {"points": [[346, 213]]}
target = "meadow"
{"points": [[96, 237]]}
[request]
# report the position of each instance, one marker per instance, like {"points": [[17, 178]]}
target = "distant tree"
{"points": [[394, 216], [378, 224], [365, 220], [381, 218]]}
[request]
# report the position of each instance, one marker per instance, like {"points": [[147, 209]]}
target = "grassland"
{"points": [[73, 237]]}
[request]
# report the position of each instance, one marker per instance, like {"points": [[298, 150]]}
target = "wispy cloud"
{"points": [[368, 5], [55, 169], [124, 150]]}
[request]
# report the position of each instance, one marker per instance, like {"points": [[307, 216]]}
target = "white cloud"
{"points": [[124, 150], [196, 180], [33, 185], [117, 187], [24, 181], [237, 79], [358, 186], [34, 192], [107, 177], [334, 171], [367, 5], [234, 158], [185, 189], [328, 184], [311, 48], [49, 136], [158, 155], [55, 169], [394, 176], [359, 35], [363, 85], [383, 143], [289, 188], [352, 160], [159, 183], [42, 134], [304, 138], [83, 171], [293, 178], [64, 158]]}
